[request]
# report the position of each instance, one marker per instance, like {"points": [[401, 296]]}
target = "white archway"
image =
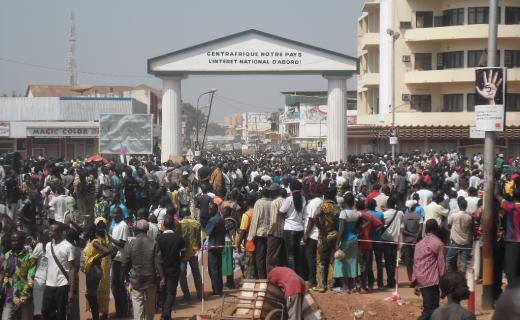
{"points": [[253, 52]]}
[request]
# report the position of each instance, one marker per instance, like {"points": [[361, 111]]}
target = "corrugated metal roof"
{"points": [[38, 90], [56, 109]]}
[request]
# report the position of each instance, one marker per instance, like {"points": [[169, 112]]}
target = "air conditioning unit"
{"points": [[406, 97], [405, 25], [406, 58]]}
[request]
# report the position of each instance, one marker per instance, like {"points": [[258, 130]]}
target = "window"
{"points": [[471, 102], [478, 58], [424, 19], [453, 103], [421, 102], [512, 58], [513, 102], [423, 61], [478, 15], [450, 60], [512, 15], [453, 17]]}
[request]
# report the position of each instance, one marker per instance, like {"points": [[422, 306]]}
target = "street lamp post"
{"points": [[212, 92], [394, 35]]}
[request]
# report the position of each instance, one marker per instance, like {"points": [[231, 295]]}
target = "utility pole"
{"points": [[394, 35], [73, 75], [489, 159]]}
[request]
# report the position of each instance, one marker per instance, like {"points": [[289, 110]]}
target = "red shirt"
{"points": [[372, 195], [368, 230], [429, 262], [288, 280]]}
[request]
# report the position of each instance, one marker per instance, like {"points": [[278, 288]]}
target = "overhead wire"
{"points": [[103, 74]]}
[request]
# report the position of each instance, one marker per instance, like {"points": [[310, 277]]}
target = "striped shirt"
{"points": [[429, 264]]}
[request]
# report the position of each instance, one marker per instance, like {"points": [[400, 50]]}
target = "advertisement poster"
{"points": [[490, 92]]}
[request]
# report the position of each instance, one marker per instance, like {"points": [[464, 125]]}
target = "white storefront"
{"points": [[57, 127]]}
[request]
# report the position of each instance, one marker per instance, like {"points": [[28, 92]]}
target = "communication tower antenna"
{"points": [[73, 76]]}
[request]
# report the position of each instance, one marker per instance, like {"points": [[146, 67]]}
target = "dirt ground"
{"points": [[343, 306], [334, 306]]}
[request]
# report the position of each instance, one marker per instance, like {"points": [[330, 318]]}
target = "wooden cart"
{"points": [[257, 299]]}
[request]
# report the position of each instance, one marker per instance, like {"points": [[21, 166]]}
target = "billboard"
{"points": [[490, 99], [133, 131]]}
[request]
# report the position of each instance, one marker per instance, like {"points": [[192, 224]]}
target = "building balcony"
{"points": [[368, 79], [463, 32], [369, 39], [430, 119], [451, 76], [370, 5]]}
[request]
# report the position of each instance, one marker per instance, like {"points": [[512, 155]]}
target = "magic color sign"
{"points": [[63, 132]]}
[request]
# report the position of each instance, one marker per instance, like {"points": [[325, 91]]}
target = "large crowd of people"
{"points": [[132, 229]]}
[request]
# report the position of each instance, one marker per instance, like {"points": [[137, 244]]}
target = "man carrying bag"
{"points": [[59, 286]]}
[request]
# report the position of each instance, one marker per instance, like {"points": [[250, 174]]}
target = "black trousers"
{"points": [[498, 258], [431, 298], [390, 254], [378, 253], [275, 253], [55, 303], [292, 240], [512, 262], [118, 290], [170, 292], [215, 270], [310, 256], [260, 257]]}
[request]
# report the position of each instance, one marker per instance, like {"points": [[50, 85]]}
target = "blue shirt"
{"points": [[379, 215], [216, 230]]}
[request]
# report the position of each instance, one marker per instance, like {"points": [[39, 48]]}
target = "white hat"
{"points": [[410, 203]]}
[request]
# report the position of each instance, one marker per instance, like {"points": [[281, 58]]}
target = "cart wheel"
{"points": [[275, 314]]}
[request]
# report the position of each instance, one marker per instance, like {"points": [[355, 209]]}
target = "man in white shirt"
{"points": [[474, 180], [61, 273], [425, 196], [104, 183], [435, 211], [58, 205], [311, 234], [340, 180], [382, 198], [472, 200], [119, 238], [393, 219]]}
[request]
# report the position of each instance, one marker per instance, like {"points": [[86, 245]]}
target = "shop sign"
{"points": [[63, 132], [476, 134], [4, 129]]}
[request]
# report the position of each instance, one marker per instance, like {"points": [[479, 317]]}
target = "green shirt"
{"points": [[18, 273]]}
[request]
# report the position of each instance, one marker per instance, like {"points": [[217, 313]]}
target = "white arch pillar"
{"points": [[171, 129], [336, 118]]}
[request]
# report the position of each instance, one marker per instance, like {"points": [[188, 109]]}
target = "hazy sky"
{"points": [[118, 36]]}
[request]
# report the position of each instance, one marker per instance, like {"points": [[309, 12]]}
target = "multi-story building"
{"points": [[304, 119], [434, 50]]}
